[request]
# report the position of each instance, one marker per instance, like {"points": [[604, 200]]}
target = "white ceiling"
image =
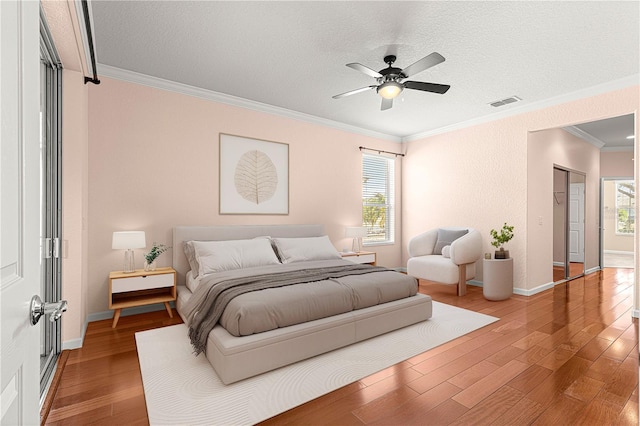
{"points": [[292, 55], [611, 134]]}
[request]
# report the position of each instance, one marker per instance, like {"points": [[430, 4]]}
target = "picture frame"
{"points": [[254, 176]]}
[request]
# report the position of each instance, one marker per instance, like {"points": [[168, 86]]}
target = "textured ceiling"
{"points": [[293, 54]]}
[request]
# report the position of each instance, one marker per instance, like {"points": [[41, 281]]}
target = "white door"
{"points": [[20, 211], [576, 222]]}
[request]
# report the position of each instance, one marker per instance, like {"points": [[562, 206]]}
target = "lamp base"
{"points": [[355, 246], [129, 262]]}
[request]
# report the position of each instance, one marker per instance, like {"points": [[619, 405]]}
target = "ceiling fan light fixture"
{"points": [[389, 89]]}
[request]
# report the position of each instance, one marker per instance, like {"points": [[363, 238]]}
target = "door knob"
{"points": [[40, 308]]}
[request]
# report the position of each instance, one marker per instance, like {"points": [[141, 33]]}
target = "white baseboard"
{"points": [[558, 264], [591, 270], [475, 283], [99, 316], [76, 343], [531, 292], [519, 291], [617, 252]]}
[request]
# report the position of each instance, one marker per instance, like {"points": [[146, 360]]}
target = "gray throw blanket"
{"points": [[210, 309]]}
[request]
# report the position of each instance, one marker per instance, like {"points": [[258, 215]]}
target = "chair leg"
{"points": [[462, 280]]}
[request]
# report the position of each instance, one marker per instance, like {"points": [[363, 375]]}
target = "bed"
{"points": [[248, 345]]}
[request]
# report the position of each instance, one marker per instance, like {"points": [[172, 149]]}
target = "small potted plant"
{"points": [[500, 239], [150, 258]]}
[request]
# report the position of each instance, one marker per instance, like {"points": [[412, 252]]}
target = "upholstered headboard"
{"points": [[181, 234]]}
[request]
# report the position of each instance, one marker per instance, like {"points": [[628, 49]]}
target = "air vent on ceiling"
{"points": [[506, 101]]}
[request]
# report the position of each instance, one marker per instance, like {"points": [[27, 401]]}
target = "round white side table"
{"points": [[497, 276]]}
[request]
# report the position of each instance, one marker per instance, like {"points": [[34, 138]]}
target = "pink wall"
{"points": [[153, 164], [74, 201], [616, 164], [470, 177], [546, 149], [477, 176]]}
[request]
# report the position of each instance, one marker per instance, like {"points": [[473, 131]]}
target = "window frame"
{"points": [[389, 198], [629, 208]]}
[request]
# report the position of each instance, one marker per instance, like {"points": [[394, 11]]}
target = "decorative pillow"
{"points": [[446, 252], [300, 249], [190, 253], [217, 256], [446, 237]]}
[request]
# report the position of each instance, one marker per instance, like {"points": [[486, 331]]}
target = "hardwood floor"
{"points": [[565, 356]]}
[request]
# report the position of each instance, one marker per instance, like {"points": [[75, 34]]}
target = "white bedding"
{"points": [[268, 309], [191, 282]]}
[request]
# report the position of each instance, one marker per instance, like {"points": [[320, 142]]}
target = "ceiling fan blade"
{"points": [[386, 104], [427, 62], [368, 71], [353, 92], [427, 87]]}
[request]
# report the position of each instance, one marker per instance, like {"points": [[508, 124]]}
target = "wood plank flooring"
{"points": [[565, 356]]}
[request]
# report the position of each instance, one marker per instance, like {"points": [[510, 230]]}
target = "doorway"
{"points": [[618, 222], [568, 224]]}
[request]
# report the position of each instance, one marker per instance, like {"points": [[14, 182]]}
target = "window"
{"points": [[378, 197], [625, 206]]}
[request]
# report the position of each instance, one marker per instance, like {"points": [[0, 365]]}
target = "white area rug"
{"points": [[182, 389]]}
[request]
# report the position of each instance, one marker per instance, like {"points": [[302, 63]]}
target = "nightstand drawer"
{"points": [[361, 258], [143, 282]]}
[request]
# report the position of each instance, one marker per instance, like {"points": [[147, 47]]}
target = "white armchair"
{"points": [[446, 256]]}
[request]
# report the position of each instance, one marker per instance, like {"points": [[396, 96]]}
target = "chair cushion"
{"points": [[446, 237], [437, 268]]}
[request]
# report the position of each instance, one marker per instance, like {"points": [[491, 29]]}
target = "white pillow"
{"points": [[446, 252], [300, 249], [217, 256]]}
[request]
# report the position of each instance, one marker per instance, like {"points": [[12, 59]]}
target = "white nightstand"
{"points": [[141, 288], [360, 257]]}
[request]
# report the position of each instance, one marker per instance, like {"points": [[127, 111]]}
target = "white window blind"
{"points": [[625, 207], [378, 198]]}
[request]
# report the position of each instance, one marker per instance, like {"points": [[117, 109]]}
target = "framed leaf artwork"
{"points": [[254, 176]]}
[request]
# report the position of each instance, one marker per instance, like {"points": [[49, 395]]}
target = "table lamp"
{"points": [[128, 240], [357, 233]]}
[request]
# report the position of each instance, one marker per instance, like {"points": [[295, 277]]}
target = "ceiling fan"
{"points": [[390, 79]]}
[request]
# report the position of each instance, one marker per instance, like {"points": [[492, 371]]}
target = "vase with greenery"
{"points": [[500, 238], [150, 258]]}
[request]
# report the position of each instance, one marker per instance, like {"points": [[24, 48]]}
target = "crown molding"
{"points": [[622, 83], [584, 136], [210, 95], [617, 149]]}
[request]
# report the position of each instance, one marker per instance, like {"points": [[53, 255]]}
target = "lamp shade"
{"points": [[128, 240], [355, 232], [390, 89]]}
